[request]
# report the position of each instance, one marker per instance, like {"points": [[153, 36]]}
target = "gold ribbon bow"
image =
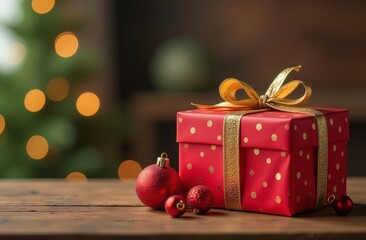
{"points": [[275, 95], [274, 98]]}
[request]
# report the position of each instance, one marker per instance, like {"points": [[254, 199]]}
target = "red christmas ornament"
{"points": [[342, 205], [157, 182], [175, 205], [200, 199]]}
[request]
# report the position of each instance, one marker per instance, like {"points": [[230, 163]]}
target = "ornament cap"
{"points": [[180, 205], [331, 198], [163, 161]]}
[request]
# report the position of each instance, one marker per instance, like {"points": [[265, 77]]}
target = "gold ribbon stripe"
{"points": [[231, 158]]}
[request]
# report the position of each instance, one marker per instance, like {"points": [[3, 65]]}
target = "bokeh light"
{"points": [[76, 177], [129, 169], [66, 44], [2, 123], [34, 100], [42, 6], [57, 89], [37, 147], [17, 52], [87, 104]]}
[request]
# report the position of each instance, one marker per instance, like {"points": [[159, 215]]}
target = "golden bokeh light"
{"points": [[129, 169], [76, 177], [57, 89], [2, 123], [37, 147], [87, 104], [17, 53], [34, 100], [42, 6], [66, 44]]}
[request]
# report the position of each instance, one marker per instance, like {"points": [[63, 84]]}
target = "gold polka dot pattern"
{"points": [[209, 123], [266, 158], [253, 195], [193, 130], [278, 176], [189, 166], [256, 151], [274, 137], [304, 136]]}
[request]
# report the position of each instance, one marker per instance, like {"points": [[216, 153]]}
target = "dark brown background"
{"points": [[253, 40], [250, 40]]}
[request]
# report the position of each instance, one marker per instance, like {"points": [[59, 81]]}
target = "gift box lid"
{"points": [[266, 130]]}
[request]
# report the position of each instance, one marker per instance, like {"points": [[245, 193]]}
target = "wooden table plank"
{"points": [[109, 209], [60, 192]]}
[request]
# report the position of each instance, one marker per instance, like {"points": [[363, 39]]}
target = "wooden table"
{"points": [[109, 209]]}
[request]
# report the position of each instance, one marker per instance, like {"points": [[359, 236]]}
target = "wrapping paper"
{"points": [[278, 157]]}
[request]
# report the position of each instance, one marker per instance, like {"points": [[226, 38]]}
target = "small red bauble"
{"points": [[200, 199], [175, 205], [342, 205], [157, 182]]}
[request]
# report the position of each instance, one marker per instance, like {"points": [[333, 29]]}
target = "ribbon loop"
{"points": [[278, 81]]}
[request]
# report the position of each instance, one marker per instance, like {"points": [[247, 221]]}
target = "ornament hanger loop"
{"points": [[180, 205], [331, 198], [163, 160]]}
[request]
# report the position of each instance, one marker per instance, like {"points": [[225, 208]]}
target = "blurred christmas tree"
{"points": [[47, 128]]}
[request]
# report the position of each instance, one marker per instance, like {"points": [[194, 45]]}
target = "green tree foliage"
{"points": [[76, 143]]}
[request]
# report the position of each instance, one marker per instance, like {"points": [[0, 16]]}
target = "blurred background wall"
{"points": [[87, 85]]}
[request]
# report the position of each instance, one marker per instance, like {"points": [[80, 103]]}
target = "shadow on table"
{"points": [[359, 210]]}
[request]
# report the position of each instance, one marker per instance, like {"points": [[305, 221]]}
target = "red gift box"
{"points": [[278, 157]]}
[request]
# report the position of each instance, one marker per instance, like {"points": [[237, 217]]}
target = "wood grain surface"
{"points": [[109, 209]]}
